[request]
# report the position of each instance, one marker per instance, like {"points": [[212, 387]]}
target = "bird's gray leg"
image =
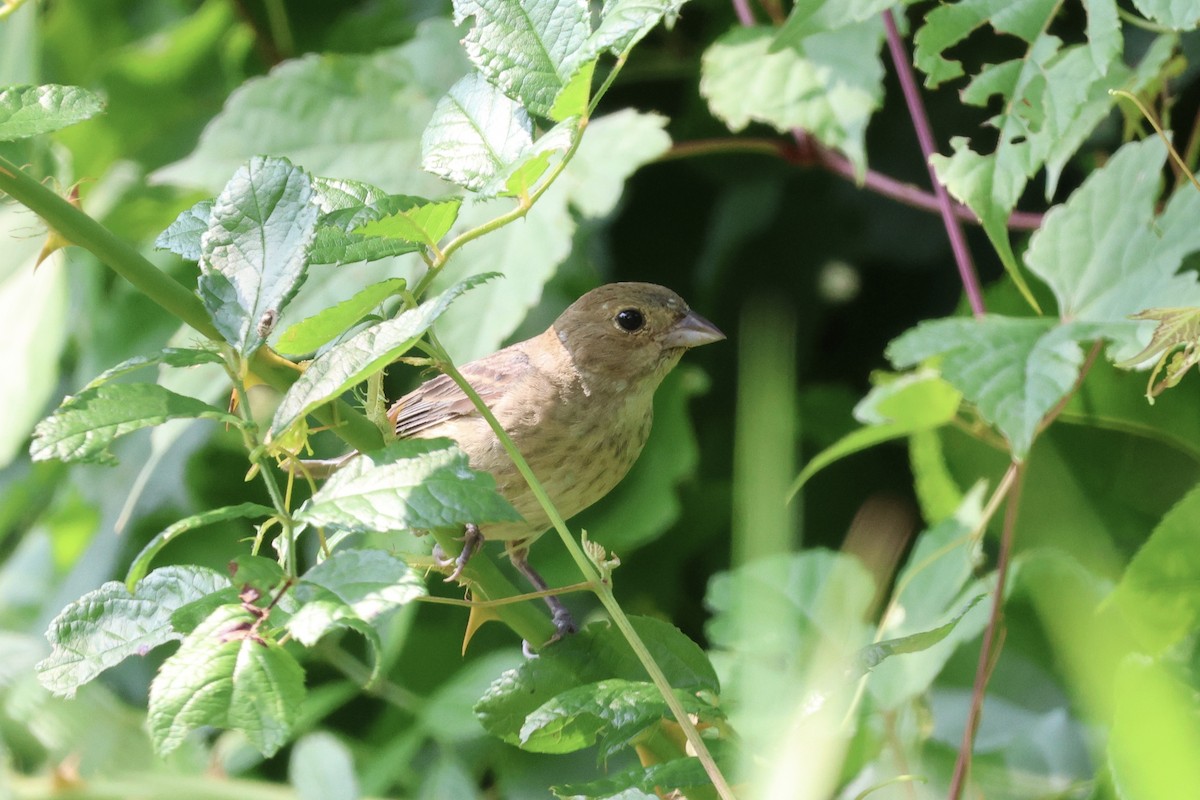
{"points": [[472, 540], [564, 623]]}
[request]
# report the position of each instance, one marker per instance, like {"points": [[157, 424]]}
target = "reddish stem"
{"points": [[992, 640], [916, 109]]}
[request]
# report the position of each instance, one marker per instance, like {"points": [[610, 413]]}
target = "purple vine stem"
{"points": [[916, 109], [744, 14]]}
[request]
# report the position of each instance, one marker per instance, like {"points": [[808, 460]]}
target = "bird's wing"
{"points": [[440, 400]]}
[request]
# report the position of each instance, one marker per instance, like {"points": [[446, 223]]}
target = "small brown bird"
{"points": [[577, 401]]}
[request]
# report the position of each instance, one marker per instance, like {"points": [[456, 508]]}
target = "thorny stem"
{"points": [[916, 110], [992, 639]]}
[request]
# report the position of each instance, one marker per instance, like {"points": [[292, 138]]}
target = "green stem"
{"points": [[602, 590], [80, 229], [499, 222]]}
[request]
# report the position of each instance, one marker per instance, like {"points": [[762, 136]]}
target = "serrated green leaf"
{"points": [[950, 23], [528, 254], [355, 589], [680, 773], [338, 239], [1160, 590], [109, 624], [529, 48], [255, 251], [141, 563], [596, 653], [623, 23], [422, 224], [323, 327], [1013, 370], [335, 99], [31, 110], [83, 427], [612, 711], [256, 572], [168, 356], [829, 84], [1180, 15], [1106, 254], [226, 675], [182, 237], [477, 132], [338, 194], [1103, 32], [902, 407], [410, 484], [368, 351]]}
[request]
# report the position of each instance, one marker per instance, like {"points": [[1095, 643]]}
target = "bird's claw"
{"points": [[472, 539]]}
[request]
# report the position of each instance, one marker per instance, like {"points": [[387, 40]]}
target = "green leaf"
{"points": [[597, 653], [141, 563], [529, 48], [168, 356], [109, 624], [323, 327], [679, 773], [410, 484], [83, 427], [1107, 255], [1177, 14], [948, 24], [355, 589], [623, 23], [1013, 370], [27, 111], [339, 240], [829, 84], [255, 251], [900, 407], [875, 654], [324, 111], [481, 139], [1160, 590], [806, 19], [613, 711], [363, 354], [227, 675], [321, 767], [528, 254], [937, 491], [182, 237], [422, 224]]}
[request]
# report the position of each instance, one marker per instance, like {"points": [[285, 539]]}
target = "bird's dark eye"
{"points": [[630, 319]]}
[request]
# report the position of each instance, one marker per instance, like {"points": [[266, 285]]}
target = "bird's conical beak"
{"points": [[692, 331]]}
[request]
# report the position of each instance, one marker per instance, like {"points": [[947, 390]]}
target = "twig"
{"points": [[916, 109], [991, 644], [744, 14], [808, 152]]}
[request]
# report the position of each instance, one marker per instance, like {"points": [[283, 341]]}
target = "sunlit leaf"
{"points": [[828, 85], [109, 624], [422, 224], [254, 253], [1013, 370], [368, 351], [226, 675], [183, 235], [1178, 14], [31, 110], [409, 484], [83, 427], [1107, 255], [323, 327]]}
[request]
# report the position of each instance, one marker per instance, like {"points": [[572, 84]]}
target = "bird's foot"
{"points": [[564, 623], [472, 540]]}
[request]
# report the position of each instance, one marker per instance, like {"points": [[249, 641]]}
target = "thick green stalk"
{"points": [[80, 229]]}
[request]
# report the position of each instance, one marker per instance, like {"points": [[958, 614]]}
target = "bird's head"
{"points": [[629, 333]]}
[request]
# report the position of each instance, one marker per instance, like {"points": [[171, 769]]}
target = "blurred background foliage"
{"points": [[810, 275]]}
